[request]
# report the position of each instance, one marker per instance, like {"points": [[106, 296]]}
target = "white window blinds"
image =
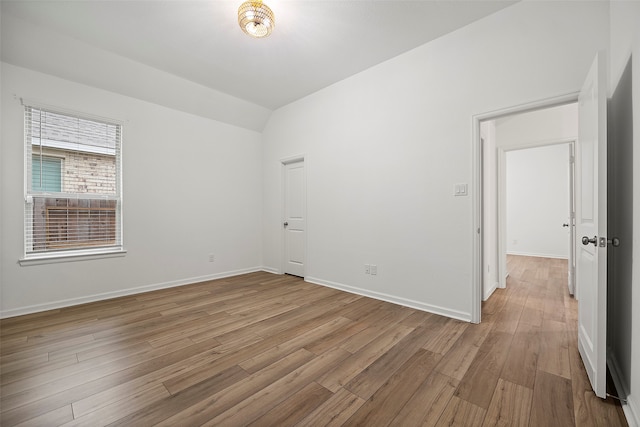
{"points": [[72, 181]]}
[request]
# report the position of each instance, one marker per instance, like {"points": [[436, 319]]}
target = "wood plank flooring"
{"points": [[267, 350]]}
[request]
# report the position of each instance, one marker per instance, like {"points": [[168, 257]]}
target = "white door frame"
{"points": [[283, 188], [477, 252]]}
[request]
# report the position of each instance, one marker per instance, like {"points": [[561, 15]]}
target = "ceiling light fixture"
{"points": [[256, 18]]}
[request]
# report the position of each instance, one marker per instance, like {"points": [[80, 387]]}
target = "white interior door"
{"points": [[294, 218], [591, 225]]}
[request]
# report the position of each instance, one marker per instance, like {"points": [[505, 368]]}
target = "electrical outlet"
{"points": [[367, 269], [374, 269], [212, 258]]}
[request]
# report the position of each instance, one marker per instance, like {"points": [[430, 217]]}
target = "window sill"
{"points": [[53, 258]]}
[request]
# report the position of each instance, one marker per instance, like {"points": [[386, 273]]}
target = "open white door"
{"points": [[591, 225]]}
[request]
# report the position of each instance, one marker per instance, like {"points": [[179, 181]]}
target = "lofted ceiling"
{"points": [[314, 44]]}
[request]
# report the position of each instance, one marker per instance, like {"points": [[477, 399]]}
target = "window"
{"points": [[73, 184], [46, 174]]}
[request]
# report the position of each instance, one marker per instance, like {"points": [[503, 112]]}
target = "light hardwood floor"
{"points": [[268, 350]]}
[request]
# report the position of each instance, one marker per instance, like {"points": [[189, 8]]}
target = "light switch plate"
{"points": [[460, 189]]}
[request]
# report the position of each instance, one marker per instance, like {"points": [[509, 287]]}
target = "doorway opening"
{"points": [[535, 211], [521, 218], [537, 203]]}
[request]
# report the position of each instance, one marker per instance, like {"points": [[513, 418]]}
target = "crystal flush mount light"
{"points": [[256, 18]]}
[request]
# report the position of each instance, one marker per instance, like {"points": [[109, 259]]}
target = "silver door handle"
{"points": [[615, 242], [586, 240]]}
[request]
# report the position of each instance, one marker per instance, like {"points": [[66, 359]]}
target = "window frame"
{"points": [[78, 252]]}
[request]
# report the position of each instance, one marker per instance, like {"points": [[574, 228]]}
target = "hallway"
{"points": [[543, 357]]}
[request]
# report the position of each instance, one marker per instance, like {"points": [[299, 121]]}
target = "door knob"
{"points": [[286, 223], [565, 225], [615, 242], [586, 240]]}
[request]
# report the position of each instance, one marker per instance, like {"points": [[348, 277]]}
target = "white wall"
{"points": [[537, 201], [385, 147], [191, 187], [1, 174], [625, 47], [38, 48], [539, 127]]}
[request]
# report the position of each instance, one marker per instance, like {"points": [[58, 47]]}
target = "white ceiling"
{"points": [[314, 44]]}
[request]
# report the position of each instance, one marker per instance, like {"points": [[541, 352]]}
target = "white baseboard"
{"points": [[125, 292], [537, 255], [632, 411], [270, 270], [148, 288], [488, 292], [631, 408], [392, 299]]}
